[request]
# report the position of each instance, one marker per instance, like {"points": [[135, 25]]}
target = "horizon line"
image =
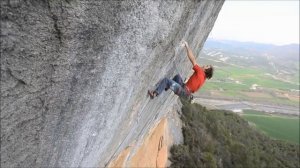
{"points": [[258, 42]]}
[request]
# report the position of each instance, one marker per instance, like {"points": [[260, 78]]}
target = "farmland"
{"points": [[261, 83], [277, 126], [250, 75]]}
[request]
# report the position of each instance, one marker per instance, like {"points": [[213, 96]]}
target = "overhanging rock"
{"points": [[75, 74]]}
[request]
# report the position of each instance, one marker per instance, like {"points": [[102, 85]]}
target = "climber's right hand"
{"points": [[183, 43]]}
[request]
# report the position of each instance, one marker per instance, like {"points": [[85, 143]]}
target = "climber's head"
{"points": [[209, 71]]}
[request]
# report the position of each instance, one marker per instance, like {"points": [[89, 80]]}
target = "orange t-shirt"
{"points": [[196, 80]]}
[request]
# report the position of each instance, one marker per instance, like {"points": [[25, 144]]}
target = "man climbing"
{"points": [[177, 85]]}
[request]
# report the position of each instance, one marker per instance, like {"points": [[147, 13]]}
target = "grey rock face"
{"points": [[75, 74]]}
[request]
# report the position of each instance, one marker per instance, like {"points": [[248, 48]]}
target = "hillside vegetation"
{"points": [[216, 138]]}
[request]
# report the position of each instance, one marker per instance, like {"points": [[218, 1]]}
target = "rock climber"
{"points": [[177, 85]]}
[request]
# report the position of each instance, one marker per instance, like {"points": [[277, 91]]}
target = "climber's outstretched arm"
{"points": [[189, 53]]}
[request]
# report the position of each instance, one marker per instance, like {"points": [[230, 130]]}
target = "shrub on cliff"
{"points": [[218, 138]]}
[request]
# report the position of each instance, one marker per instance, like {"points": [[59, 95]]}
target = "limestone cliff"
{"points": [[74, 74]]}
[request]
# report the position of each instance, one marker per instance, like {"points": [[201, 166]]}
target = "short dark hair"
{"points": [[209, 72]]}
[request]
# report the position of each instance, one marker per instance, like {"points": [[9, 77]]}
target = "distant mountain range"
{"points": [[282, 58], [290, 52]]}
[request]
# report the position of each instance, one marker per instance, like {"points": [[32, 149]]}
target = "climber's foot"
{"points": [[152, 94]]}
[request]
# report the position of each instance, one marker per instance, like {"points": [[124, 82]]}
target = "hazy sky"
{"points": [[275, 22]]}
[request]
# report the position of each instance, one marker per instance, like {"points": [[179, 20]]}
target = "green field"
{"points": [[250, 76], [277, 126], [235, 82]]}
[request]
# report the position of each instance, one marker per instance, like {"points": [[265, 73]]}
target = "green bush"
{"points": [[219, 138]]}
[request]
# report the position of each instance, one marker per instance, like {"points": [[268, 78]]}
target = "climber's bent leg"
{"points": [[177, 78], [166, 84]]}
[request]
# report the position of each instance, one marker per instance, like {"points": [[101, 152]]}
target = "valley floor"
{"points": [[238, 106]]}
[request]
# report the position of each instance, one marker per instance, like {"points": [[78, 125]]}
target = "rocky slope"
{"points": [[74, 74]]}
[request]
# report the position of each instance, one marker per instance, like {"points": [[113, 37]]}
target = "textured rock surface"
{"points": [[74, 74]]}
